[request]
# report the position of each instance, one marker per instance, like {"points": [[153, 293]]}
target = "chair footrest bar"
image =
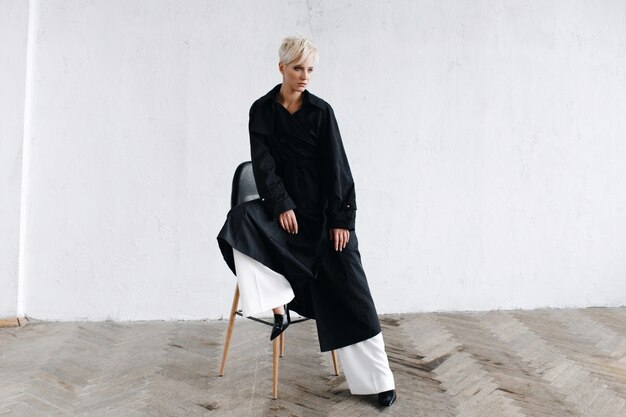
{"points": [[240, 313]]}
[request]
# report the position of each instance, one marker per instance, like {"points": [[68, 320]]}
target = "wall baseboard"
{"points": [[13, 322]]}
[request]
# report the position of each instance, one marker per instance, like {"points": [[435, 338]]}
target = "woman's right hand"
{"points": [[288, 222]]}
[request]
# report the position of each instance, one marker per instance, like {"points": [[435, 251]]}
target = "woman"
{"points": [[295, 247]]}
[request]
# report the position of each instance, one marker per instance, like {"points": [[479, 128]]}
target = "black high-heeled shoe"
{"points": [[281, 322], [387, 398]]}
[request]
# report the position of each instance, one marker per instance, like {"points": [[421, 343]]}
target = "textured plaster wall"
{"points": [[486, 140], [13, 37]]}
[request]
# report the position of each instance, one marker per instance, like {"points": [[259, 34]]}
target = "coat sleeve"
{"points": [[269, 184], [341, 210]]}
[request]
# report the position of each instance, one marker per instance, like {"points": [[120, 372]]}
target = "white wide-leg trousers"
{"points": [[364, 364]]}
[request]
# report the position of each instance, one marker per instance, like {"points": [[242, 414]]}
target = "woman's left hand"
{"points": [[340, 238]]}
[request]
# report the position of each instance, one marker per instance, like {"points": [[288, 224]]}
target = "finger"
{"points": [[345, 240], [281, 221], [292, 222], [285, 223], [289, 224], [336, 240]]}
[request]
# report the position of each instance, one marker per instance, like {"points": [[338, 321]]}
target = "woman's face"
{"points": [[297, 74]]}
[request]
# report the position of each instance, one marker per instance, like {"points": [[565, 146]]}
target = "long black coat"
{"points": [[299, 163]]}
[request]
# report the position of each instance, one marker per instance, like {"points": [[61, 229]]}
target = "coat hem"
{"points": [[328, 347]]}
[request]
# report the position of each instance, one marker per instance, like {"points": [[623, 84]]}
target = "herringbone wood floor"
{"points": [[507, 363]]}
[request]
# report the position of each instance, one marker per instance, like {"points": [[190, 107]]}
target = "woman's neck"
{"points": [[289, 98]]}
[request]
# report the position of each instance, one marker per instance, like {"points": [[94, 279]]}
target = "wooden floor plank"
{"points": [[539, 363]]}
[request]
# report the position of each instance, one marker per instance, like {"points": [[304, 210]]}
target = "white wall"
{"points": [[486, 139], [13, 32]]}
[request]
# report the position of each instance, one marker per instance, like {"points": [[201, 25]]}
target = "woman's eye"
{"points": [[298, 68]]}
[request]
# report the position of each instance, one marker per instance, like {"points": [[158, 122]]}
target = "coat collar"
{"points": [[262, 117], [308, 98]]}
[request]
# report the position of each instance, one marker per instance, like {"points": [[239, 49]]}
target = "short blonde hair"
{"points": [[296, 47]]}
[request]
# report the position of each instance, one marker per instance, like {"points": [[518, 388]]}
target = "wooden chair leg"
{"points": [[335, 364], [282, 344], [276, 348], [229, 330]]}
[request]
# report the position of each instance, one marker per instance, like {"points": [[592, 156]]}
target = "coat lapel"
{"points": [[269, 116]]}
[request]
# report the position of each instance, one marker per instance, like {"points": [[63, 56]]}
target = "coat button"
{"points": [[262, 199], [348, 205]]}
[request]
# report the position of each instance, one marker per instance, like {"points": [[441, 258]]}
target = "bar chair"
{"points": [[244, 189]]}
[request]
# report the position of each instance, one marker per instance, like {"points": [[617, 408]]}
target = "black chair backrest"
{"points": [[244, 187]]}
